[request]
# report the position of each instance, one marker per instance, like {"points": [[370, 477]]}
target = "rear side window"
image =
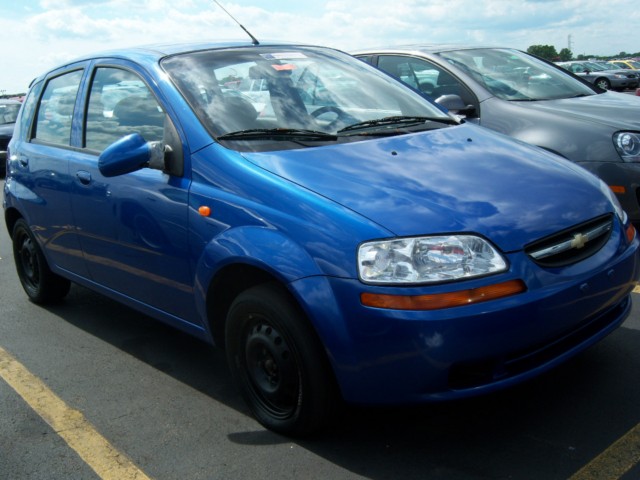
{"points": [[120, 103], [55, 112]]}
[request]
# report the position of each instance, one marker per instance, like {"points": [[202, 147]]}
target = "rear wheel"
{"points": [[37, 279], [278, 362]]}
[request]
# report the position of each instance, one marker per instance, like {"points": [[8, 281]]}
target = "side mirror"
{"points": [[129, 154], [454, 104]]}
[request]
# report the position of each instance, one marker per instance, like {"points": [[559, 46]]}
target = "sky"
{"points": [[36, 35]]}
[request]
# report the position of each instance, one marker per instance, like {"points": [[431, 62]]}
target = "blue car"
{"points": [[340, 236]]}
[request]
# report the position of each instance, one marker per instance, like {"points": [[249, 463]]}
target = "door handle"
{"points": [[84, 177]]}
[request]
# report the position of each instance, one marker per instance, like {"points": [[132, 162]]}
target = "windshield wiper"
{"points": [[397, 121], [277, 134]]}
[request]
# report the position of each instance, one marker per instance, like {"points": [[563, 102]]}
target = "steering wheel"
{"points": [[341, 115]]}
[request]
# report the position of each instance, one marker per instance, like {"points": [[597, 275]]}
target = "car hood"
{"points": [[456, 179], [619, 110], [619, 72]]}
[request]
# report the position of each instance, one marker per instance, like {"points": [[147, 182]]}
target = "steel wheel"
{"points": [[272, 369], [40, 284], [278, 362]]}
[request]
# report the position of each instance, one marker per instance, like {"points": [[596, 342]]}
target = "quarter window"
{"points": [[55, 112], [120, 103]]}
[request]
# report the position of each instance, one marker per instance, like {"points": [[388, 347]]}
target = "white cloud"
{"points": [[54, 30]]}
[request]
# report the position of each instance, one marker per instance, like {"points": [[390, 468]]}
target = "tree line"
{"points": [[548, 52]]}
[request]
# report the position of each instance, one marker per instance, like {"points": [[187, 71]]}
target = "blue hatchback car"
{"points": [[342, 237]]}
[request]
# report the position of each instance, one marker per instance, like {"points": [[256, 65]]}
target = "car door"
{"points": [[133, 227], [42, 178]]}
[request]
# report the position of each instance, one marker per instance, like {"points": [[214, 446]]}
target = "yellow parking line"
{"points": [[70, 424], [615, 461]]}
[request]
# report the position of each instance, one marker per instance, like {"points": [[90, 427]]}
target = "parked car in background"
{"points": [[602, 77], [8, 112], [353, 241], [626, 64], [532, 100]]}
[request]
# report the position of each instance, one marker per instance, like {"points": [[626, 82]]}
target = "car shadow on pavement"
{"points": [[546, 428]]}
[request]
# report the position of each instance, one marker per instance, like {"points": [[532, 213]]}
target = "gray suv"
{"points": [[532, 100]]}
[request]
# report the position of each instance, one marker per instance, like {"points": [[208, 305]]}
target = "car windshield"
{"points": [[514, 75], [9, 112], [603, 66], [261, 98]]}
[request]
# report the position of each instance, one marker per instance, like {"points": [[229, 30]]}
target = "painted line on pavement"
{"points": [[615, 461], [69, 424]]}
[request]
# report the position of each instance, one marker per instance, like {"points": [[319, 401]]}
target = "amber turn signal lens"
{"points": [[631, 233], [617, 189], [438, 301]]}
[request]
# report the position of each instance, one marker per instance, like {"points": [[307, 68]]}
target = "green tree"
{"points": [[565, 55], [545, 51]]}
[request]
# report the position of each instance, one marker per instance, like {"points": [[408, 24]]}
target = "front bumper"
{"points": [[391, 357], [622, 83]]}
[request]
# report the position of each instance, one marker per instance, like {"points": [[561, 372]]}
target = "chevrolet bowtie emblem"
{"points": [[579, 240]]}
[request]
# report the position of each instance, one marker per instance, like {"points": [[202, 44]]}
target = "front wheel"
{"points": [[278, 362], [603, 83], [37, 279]]}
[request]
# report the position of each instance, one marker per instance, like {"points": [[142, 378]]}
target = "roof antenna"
{"points": [[253, 39]]}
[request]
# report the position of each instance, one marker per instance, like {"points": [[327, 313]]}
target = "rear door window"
{"points": [[55, 112]]}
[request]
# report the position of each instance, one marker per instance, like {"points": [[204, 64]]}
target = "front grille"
{"points": [[571, 245]]}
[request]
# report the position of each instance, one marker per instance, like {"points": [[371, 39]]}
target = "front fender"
{"points": [[261, 247]]}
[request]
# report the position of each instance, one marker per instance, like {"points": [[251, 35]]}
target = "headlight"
{"points": [[628, 145], [614, 200], [428, 259]]}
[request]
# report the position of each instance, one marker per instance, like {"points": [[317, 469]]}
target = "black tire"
{"points": [[278, 362], [603, 83], [37, 279]]}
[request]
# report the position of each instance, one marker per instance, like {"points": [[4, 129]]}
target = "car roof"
{"points": [[163, 50], [155, 52], [421, 47]]}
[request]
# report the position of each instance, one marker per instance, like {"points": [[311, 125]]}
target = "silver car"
{"points": [[532, 100], [603, 77]]}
